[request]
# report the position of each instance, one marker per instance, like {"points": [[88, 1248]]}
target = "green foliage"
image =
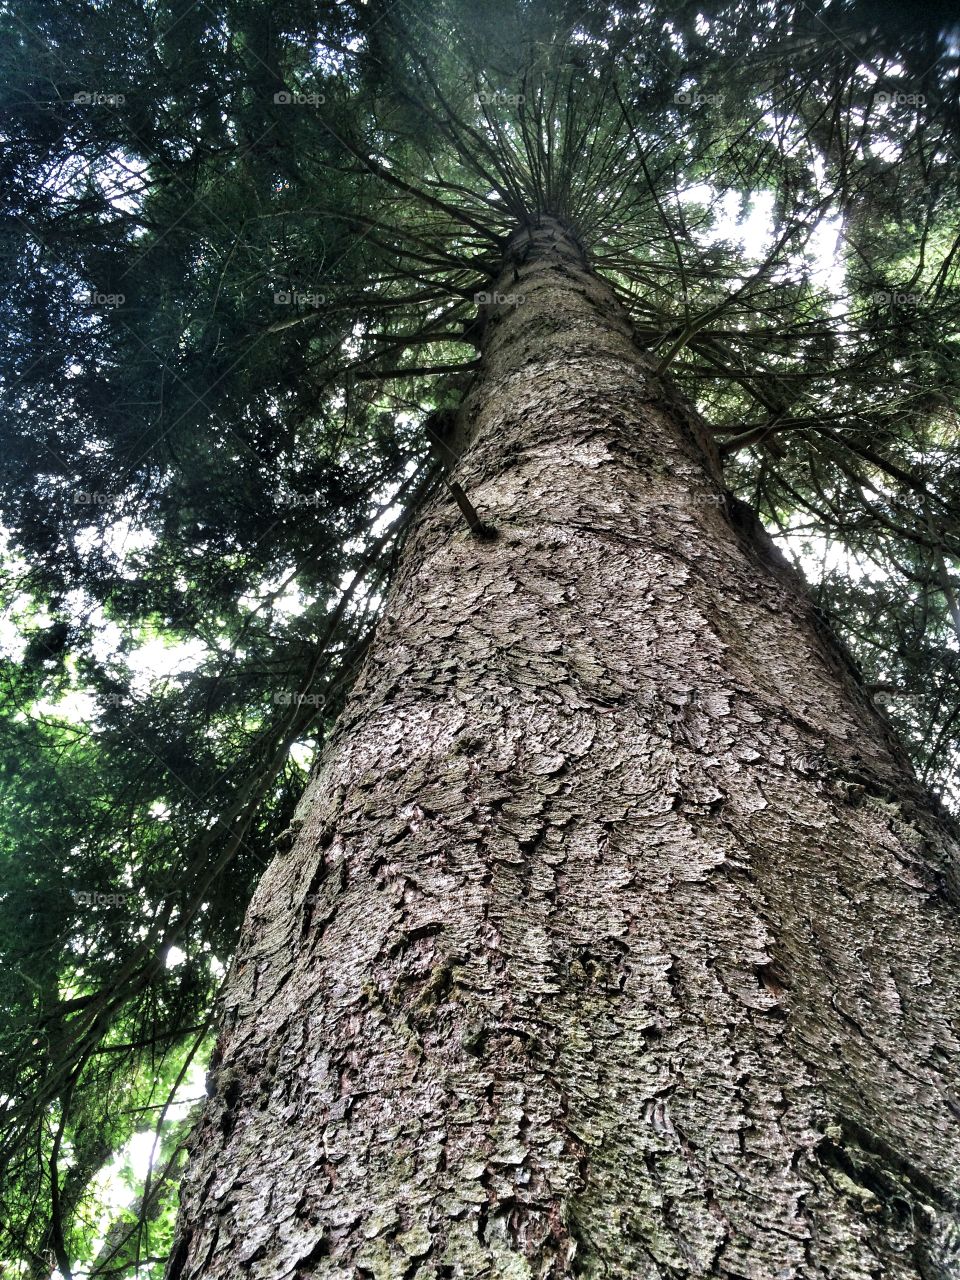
{"points": [[241, 248]]}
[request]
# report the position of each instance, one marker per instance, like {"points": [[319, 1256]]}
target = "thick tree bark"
{"points": [[618, 940]]}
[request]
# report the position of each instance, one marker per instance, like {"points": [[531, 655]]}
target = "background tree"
{"points": [[299, 207]]}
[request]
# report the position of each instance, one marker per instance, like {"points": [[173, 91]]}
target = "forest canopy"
{"points": [[246, 253]]}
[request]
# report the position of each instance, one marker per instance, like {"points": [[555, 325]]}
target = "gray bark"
{"points": [[619, 939]]}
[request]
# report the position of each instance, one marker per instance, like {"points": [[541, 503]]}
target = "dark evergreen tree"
{"points": [[266, 277]]}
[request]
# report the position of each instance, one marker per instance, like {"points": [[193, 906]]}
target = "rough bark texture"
{"points": [[618, 940]]}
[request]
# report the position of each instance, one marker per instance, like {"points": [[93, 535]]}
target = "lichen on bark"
{"points": [[618, 939]]}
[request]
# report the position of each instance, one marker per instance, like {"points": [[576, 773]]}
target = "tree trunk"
{"points": [[619, 939]]}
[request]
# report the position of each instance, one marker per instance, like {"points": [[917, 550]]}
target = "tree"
{"points": [[617, 937], [378, 174]]}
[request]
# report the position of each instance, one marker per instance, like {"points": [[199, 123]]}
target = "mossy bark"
{"points": [[618, 940]]}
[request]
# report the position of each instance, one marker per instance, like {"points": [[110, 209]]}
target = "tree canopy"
{"points": [[246, 247]]}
